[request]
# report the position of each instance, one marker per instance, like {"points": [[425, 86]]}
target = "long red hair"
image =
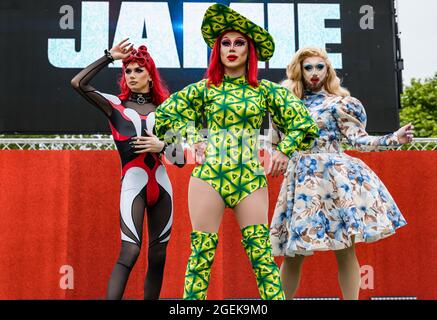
{"points": [[141, 56], [216, 69]]}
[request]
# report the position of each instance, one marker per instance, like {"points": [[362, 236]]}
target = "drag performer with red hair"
{"points": [[145, 184], [228, 171]]}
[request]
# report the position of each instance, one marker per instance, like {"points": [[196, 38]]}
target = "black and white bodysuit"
{"points": [[145, 185]]}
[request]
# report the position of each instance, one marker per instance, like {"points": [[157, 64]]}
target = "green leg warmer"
{"points": [[203, 247], [256, 242]]}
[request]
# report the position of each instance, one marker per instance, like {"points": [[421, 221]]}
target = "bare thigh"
{"points": [[253, 209], [205, 205]]}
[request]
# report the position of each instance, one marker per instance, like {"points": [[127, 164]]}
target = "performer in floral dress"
{"points": [[328, 199]]}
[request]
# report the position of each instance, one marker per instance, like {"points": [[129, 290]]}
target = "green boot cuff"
{"points": [[256, 242], [203, 248]]}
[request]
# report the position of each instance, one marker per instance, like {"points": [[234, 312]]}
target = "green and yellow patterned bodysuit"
{"points": [[234, 113]]}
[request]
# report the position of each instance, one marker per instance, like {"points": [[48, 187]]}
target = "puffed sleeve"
{"points": [[291, 117], [351, 119], [180, 116]]}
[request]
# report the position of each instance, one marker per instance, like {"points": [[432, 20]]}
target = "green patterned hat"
{"points": [[219, 18]]}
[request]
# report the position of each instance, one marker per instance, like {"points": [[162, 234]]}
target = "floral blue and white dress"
{"points": [[328, 196]]}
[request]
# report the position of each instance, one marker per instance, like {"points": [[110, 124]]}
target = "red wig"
{"points": [[141, 56], [216, 69]]}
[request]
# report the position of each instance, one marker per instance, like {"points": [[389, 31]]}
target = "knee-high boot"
{"points": [[203, 247], [256, 242]]}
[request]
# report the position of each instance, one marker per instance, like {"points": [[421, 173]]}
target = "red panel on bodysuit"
{"points": [[152, 187], [117, 135]]}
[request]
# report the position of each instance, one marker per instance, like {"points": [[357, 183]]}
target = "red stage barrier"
{"points": [[60, 232]]}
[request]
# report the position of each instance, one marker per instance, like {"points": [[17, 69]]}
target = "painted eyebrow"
{"points": [[239, 38], [315, 64]]}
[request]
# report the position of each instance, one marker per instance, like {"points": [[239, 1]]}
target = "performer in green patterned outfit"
{"points": [[229, 173]]}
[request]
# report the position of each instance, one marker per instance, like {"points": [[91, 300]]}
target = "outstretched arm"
{"points": [[351, 119]]}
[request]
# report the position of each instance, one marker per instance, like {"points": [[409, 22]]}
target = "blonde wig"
{"points": [[294, 81]]}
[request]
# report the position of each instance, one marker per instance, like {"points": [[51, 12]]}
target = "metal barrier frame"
{"points": [[106, 143]]}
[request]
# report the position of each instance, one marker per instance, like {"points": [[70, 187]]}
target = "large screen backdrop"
{"points": [[45, 43]]}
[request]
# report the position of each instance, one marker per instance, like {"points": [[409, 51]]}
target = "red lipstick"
{"points": [[232, 57]]}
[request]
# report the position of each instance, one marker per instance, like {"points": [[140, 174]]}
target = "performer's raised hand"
{"points": [[405, 134], [121, 50]]}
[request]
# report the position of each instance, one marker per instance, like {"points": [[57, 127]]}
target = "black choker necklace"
{"points": [[140, 98]]}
